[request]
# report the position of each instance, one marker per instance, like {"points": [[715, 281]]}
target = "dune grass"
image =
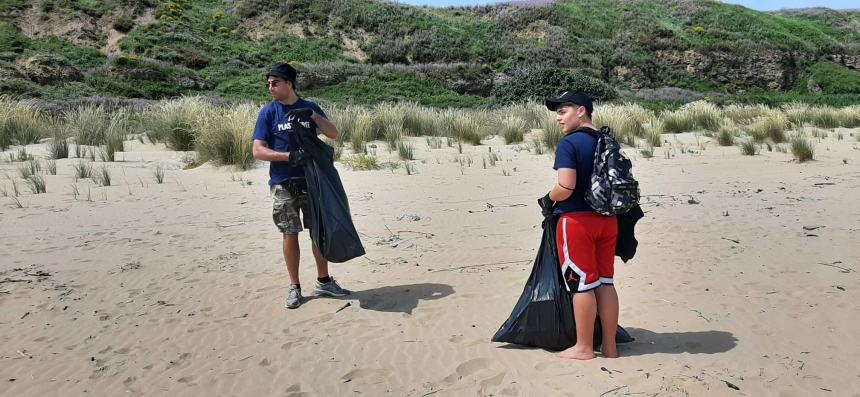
{"points": [[224, 137], [405, 151], [802, 149], [36, 183], [21, 122], [749, 148], [362, 162], [699, 115], [512, 129], [83, 169]]}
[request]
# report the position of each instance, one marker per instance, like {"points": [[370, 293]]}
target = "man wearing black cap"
{"points": [[586, 239], [275, 142]]}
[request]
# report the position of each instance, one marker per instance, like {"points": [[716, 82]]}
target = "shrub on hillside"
{"points": [[540, 83]]}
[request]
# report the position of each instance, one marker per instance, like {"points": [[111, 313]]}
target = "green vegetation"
{"points": [[369, 51]]}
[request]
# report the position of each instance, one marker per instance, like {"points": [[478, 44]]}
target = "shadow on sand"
{"points": [[399, 298]]}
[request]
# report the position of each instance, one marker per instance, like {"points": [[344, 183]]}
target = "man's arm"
{"points": [[261, 151], [566, 183], [326, 127]]}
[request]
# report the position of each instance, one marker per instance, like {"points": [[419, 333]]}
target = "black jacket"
{"points": [[626, 245]]}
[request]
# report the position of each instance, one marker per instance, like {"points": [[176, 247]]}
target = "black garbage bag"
{"points": [[543, 316], [331, 224]]}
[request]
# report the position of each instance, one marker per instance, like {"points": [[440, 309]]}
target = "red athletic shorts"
{"points": [[586, 249]]}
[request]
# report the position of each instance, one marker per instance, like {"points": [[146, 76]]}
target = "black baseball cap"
{"points": [[570, 96], [284, 71]]}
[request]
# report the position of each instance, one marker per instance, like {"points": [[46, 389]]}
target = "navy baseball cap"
{"points": [[572, 97], [284, 71]]}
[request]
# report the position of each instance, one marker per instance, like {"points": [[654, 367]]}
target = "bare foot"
{"points": [[609, 353], [574, 353]]}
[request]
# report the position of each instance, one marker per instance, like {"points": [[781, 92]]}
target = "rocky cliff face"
{"points": [[767, 70]]}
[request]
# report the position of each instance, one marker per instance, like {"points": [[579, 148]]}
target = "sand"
{"points": [[745, 282]]}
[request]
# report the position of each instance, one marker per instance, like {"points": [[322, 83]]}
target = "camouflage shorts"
{"points": [[287, 199]]}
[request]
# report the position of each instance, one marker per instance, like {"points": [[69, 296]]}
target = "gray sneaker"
{"points": [[330, 288], [294, 297]]}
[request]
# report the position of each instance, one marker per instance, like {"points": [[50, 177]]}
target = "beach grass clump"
{"points": [[21, 122], [418, 120], [102, 176], [174, 121], [746, 114], [551, 131], [726, 134], [802, 149], [159, 173], [58, 147], [849, 116], [512, 129], [343, 116], [769, 127], [83, 169], [387, 121], [225, 138], [21, 155], [36, 183], [653, 132], [749, 148], [362, 162], [626, 121], [29, 168], [433, 142], [116, 135], [88, 124], [530, 112], [463, 126], [700, 115], [51, 167], [405, 151], [361, 132]]}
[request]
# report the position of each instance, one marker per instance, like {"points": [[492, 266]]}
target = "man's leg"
{"points": [[291, 256], [584, 311], [322, 263], [326, 285], [607, 296], [607, 308]]}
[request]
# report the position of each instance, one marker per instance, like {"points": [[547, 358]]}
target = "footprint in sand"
{"points": [[472, 366], [374, 374], [300, 340], [491, 382], [190, 380]]}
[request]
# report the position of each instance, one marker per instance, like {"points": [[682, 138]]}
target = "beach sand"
{"points": [[745, 282]]}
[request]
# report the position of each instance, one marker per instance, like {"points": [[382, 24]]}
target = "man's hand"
{"points": [[302, 114], [547, 206], [298, 158]]}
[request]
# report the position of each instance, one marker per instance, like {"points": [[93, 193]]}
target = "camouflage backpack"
{"points": [[613, 189]]}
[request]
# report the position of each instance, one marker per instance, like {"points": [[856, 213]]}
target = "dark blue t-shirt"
{"points": [[576, 151], [277, 128]]}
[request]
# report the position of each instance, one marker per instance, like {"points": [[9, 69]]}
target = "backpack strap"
{"points": [[595, 135]]}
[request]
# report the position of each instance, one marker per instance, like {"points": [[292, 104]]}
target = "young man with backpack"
{"points": [[586, 238]]}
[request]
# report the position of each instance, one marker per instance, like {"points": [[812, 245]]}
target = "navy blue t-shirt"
{"points": [[576, 151], [277, 128]]}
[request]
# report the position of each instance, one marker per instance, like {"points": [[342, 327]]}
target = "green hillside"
{"points": [[370, 51]]}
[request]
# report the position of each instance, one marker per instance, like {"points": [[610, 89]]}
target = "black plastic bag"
{"points": [[331, 224], [543, 316]]}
